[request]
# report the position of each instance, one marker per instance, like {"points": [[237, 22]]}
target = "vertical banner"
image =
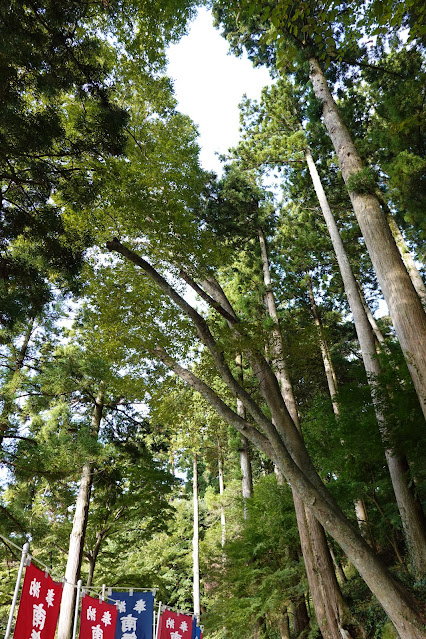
{"points": [[199, 633], [135, 614], [98, 619], [39, 607], [175, 626]]}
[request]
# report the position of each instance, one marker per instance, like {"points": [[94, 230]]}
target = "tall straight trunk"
{"points": [[407, 258], [323, 585], [221, 492], [78, 532], [245, 461], [279, 439], [404, 304], [195, 539], [410, 510]]}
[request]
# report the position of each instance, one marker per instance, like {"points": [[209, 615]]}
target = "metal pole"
{"points": [[158, 620], [25, 550], [77, 601]]}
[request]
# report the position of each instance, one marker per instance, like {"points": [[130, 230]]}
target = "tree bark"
{"points": [[410, 510], [407, 258], [325, 352], [403, 302], [195, 540], [282, 444], [75, 551], [245, 461], [328, 601]]}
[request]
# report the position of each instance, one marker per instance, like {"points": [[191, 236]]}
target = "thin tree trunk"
{"points": [[75, 551], [327, 600], [325, 352], [245, 461], [221, 492], [363, 524], [407, 258], [410, 510], [338, 566], [403, 302], [195, 540]]}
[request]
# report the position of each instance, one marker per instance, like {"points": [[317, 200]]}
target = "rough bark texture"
{"points": [[288, 453], [75, 551], [409, 508], [195, 540], [403, 302]]}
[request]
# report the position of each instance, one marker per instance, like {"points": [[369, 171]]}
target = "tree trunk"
{"points": [[407, 258], [245, 461], [326, 596], [362, 519], [279, 440], [325, 352], [403, 302], [221, 491], [284, 626], [195, 540], [92, 557], [338, 566], [75, 551], [409, 507]]}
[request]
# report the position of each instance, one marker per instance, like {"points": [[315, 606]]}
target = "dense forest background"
{"points": [[194, 383]]}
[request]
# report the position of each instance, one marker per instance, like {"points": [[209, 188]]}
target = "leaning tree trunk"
{"points": [[410, 510], [403, 302], [279, 439], [326, 596], [75, 550]]}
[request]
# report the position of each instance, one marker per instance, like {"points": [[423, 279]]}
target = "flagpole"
{"points": [[77, 601], [25, 550], [158, 620]]}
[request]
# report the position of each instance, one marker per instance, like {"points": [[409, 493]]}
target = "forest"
{"points": [[215, 385]]}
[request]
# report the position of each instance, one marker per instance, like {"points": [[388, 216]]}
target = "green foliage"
{"points": [[362, 182]]}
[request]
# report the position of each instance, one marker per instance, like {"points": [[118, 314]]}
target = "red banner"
{"points": [[98, 619], [39, 607], [175, 626]]}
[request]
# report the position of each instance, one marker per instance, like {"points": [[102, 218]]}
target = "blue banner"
{"points": [[135, 614]]}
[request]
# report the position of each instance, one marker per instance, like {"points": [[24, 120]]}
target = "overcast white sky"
{"points": [[209, 84]]}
